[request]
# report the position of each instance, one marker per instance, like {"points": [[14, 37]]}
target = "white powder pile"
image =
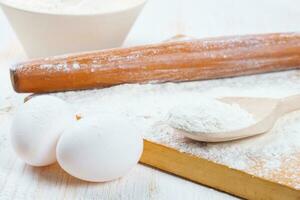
{"points": [[272, 155], [209, 116], [71, 6]]}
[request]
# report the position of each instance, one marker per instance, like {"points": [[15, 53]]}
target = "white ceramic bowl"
{"points": [[47, 34]]}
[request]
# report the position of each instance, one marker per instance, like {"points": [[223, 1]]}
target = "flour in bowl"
{"points": [[71, 6], [209, 116]]}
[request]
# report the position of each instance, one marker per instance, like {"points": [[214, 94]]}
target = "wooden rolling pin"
{"points": [[172, 61]]}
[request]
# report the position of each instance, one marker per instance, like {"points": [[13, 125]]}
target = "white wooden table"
{"points": [[159, 21]]}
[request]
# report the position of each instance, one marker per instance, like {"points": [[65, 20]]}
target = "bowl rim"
{"points": [[139, 3]]}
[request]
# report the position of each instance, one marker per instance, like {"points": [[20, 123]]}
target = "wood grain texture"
{"points": [[172, 61], [215, 175]]}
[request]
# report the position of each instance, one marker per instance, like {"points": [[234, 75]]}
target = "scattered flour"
{"points": [[274, 155], [71, 6], [209, 116]]}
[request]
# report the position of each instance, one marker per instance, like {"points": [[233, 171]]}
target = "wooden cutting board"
{"points": [[219, 176]]}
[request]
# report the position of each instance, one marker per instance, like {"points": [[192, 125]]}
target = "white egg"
{"points": [[36, 128], [100, 150]]}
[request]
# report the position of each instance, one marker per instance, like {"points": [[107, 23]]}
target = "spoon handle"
{"points": [[290, 103]]}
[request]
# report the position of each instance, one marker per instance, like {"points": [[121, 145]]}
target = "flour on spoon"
{"points": [[209, 116]]}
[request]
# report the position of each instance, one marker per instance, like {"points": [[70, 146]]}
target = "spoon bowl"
{"points": [[265, 111]]}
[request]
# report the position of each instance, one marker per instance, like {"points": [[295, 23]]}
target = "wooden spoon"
{"points": [[265, 111]]}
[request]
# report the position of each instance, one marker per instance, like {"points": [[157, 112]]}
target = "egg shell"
{"points": [[99, 150], [36, 128]]}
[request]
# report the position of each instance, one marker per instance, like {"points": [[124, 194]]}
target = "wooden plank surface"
{"points": [[159, 21], [214, 175]]}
